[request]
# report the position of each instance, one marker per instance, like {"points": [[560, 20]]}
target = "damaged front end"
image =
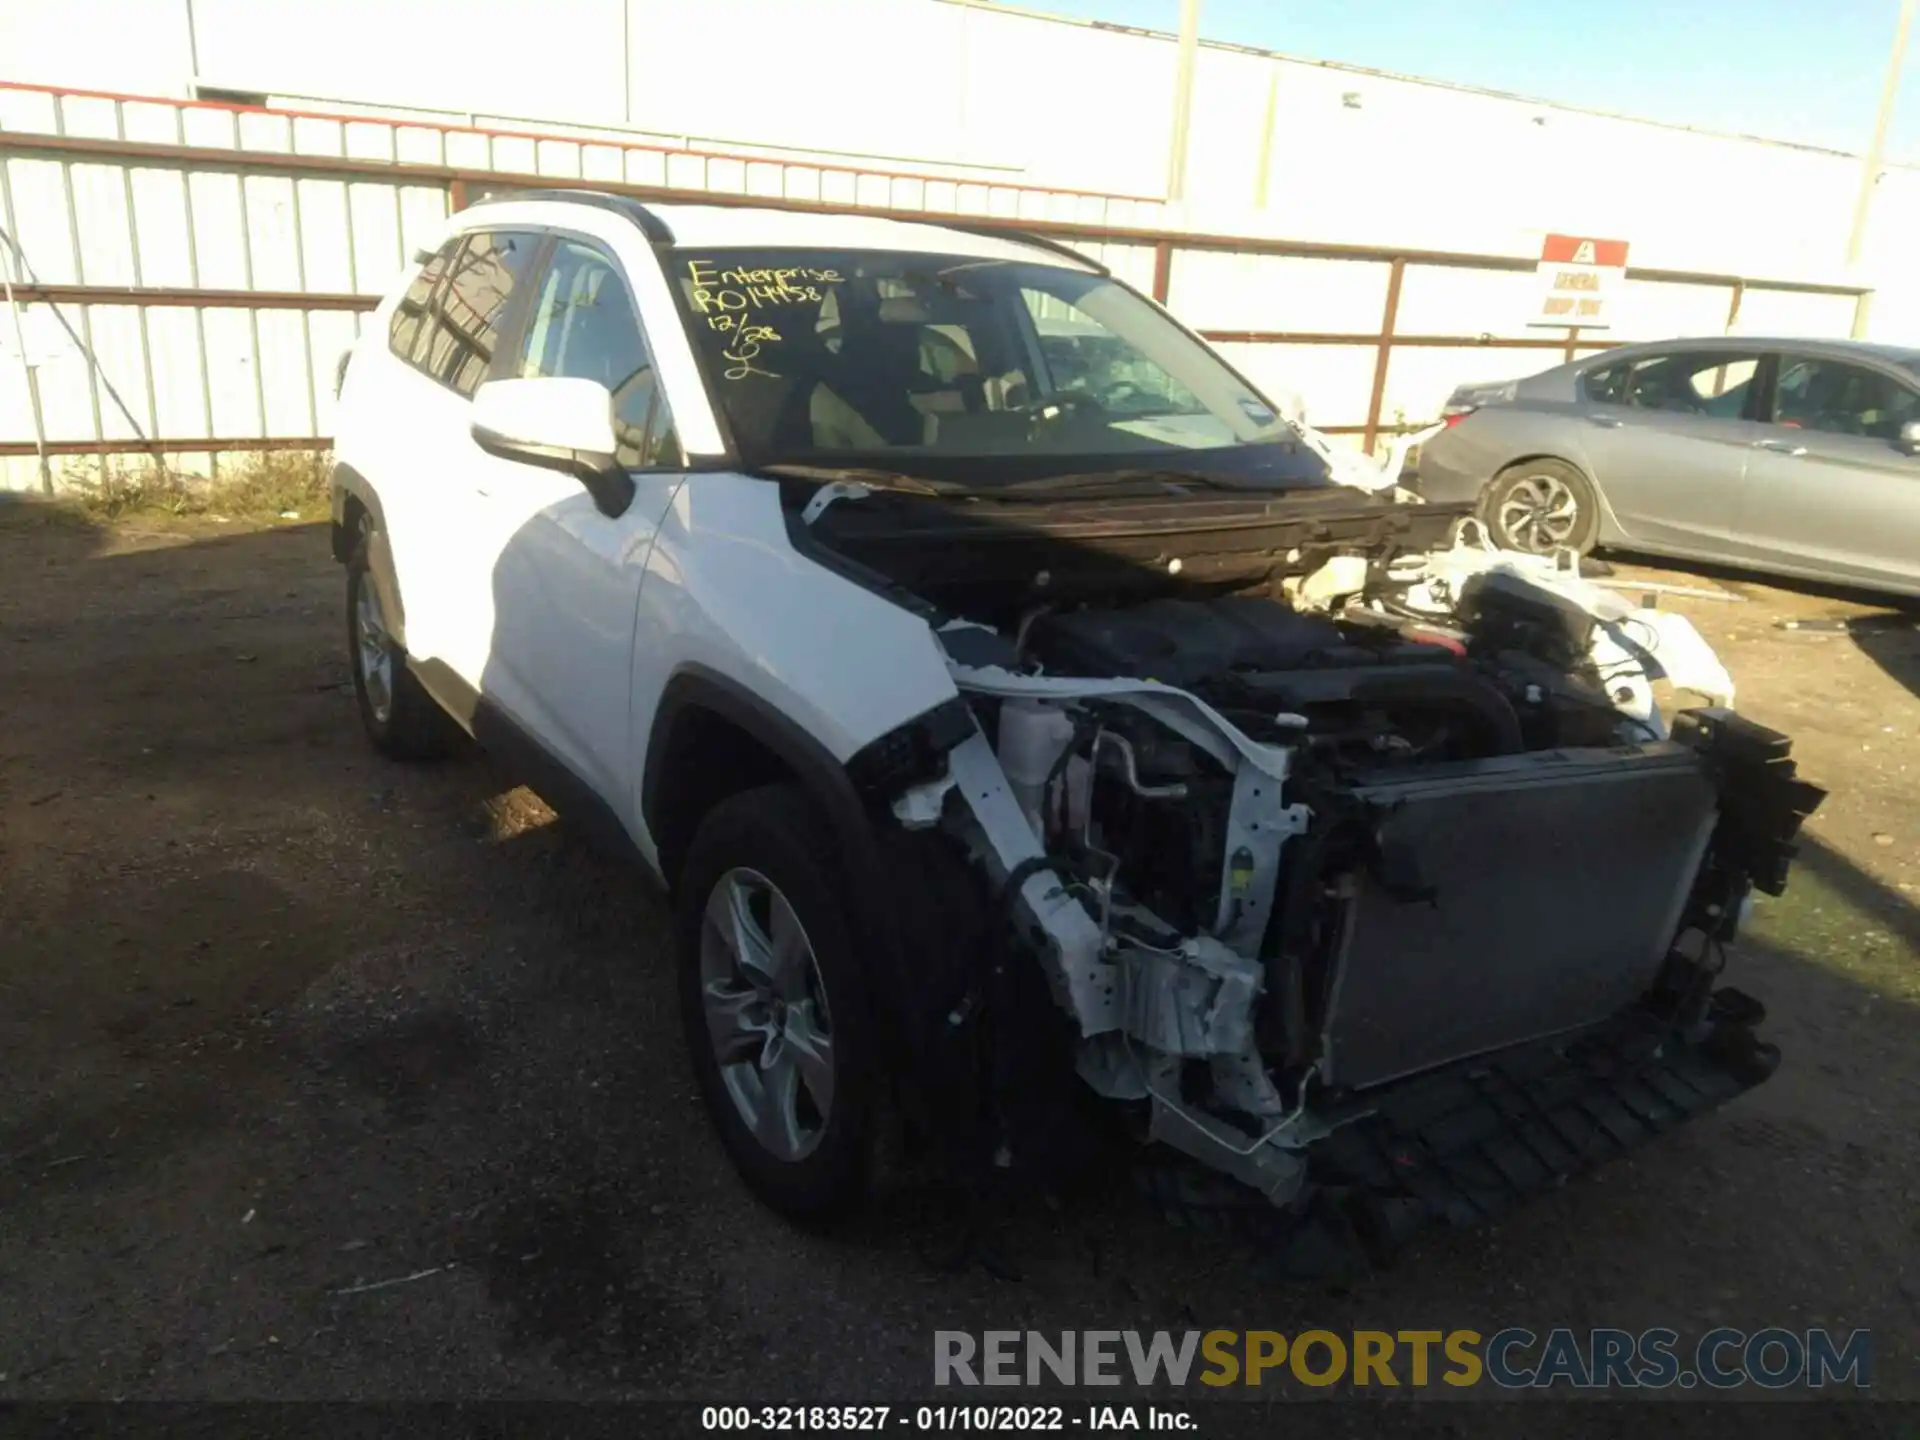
{"points": [[1381, 875]]}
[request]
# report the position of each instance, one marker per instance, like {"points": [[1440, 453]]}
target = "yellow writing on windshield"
{"points": [[745, 349], [729, 297]]}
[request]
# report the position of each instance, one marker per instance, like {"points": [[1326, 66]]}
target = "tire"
{"points": [[400, 718], [796, 1103], [1538, 505]]}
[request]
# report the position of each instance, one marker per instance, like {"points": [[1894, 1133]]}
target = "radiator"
{"points": [[1557, 881]]}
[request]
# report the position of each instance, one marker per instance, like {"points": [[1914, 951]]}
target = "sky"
{"points": [[1802, 70]]}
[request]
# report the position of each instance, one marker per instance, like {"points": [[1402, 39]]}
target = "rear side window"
{"points": [[410, 315], [584, 326], [467, 311], [1689, 383]]}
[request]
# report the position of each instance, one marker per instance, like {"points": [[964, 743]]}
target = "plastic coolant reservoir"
{"points": [[1032, 736]]}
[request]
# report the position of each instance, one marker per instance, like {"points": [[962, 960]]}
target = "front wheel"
{"points": [[773, 1002], [1540, 506]]}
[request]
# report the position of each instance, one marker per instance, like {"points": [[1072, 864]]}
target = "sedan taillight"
{"points": [[1453, 417]]}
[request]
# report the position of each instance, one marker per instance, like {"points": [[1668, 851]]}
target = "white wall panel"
{"points": [[514, 154], [160, 220], [377, 252], [1775, 312], [230, 373], [1420, 377], [271, 134], [91, 116], [39, 207], [115, 331], [1453, 300], [419, 145], [208, 126], [28, 110], [1335, 381], [100, 210], [324, 231], [173, 335], [423, 217], [218, 237], [284, 373], [1654, 310], [1212, 290], [312, 136], [147, 122], [274, 241], [369, 140], [66, 402], [16, 405]]}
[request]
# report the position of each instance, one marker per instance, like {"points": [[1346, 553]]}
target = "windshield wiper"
{"points": [[871, 479], [1121, 482]]}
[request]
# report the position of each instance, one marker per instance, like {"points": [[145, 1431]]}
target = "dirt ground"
{"points": [[282, 1022]]}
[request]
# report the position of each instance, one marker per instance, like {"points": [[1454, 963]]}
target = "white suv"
{"points": [[1019, 716]]}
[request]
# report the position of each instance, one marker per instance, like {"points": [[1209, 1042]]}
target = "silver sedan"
{"points": [[1799, 457]]}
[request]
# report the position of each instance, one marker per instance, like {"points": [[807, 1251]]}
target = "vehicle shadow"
{"points": [[1893, 643], [1741, 581], [1886, 628]]}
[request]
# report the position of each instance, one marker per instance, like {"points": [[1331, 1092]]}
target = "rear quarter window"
{"points": [[1707, 382], [410, 315]]}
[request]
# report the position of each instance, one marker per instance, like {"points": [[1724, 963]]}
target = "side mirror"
{"points": [[1909, 440], [557, 424]]}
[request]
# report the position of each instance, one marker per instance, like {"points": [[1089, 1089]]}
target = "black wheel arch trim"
{"points": [[349, 488], [826, 780], [350, 485]]}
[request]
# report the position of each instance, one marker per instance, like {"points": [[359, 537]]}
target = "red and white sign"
{"points": [[1579, 278]]}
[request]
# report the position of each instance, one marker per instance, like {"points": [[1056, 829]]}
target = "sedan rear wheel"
{"points": [[1540, 506]]}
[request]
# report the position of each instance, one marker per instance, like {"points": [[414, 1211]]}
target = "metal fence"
{"points": [[189, 270]]}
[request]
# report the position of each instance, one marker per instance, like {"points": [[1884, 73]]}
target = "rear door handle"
{"points": [[1605, 422], [1780, 447]]}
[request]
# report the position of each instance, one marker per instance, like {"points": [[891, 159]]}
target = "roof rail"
{"points": [[651, 225], [1007, 232]]}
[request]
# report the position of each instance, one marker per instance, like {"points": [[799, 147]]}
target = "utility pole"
{"points": [[626, 61], [1264, 165], [1870, 172], [193, 52], [1183, 99]]}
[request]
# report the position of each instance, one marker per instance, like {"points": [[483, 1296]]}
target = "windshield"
{"points": [[912, 362]]}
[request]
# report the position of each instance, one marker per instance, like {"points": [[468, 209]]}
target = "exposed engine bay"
{"points": [[1325, 826]]}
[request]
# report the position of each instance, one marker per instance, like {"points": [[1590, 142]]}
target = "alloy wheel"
{"points": [[1538, 513], [767, 1015]]}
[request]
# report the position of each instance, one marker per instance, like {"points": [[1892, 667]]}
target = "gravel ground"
{"points": [[327, 1078]]}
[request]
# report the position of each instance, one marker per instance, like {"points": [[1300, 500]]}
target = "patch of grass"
{"points": [[24, 511], [1818, 922], [257, 485]]}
